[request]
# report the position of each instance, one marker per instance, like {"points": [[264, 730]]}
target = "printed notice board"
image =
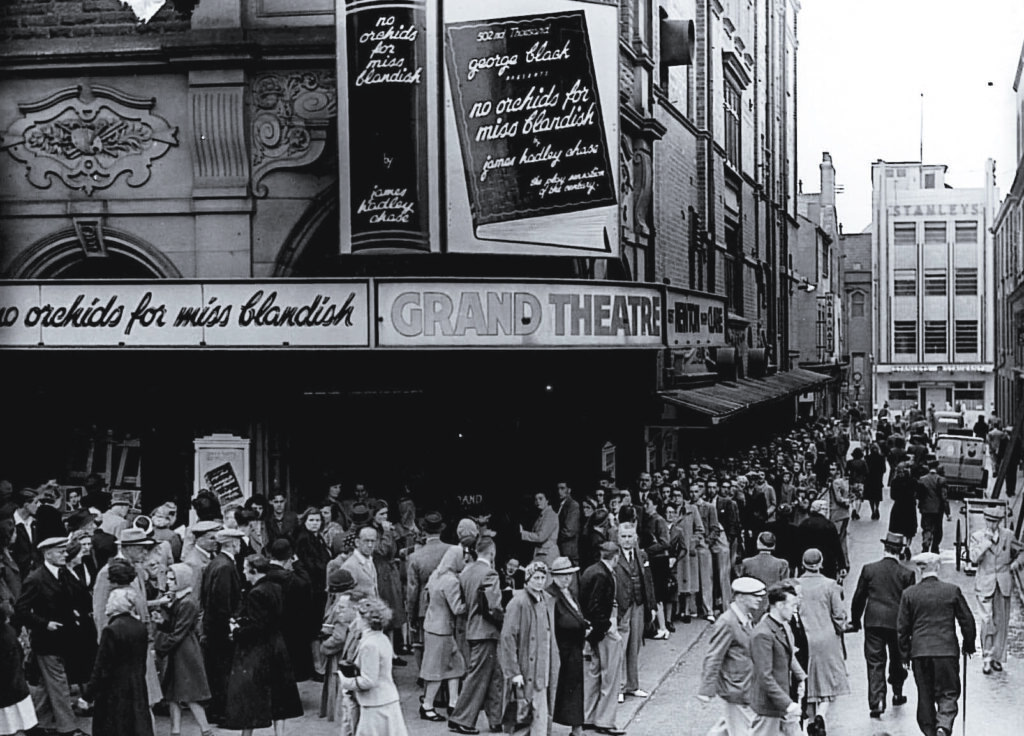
{"points": [[529, 117]]}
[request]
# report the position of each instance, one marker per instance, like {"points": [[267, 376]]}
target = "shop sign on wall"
{"points": [[383, 126], [525, 314], [694, 319], [533, 110], [182, 314]]}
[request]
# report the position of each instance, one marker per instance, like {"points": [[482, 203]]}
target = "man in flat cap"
{"points": [[198, 556], [992, 550], [765, 566], [47, 608], [926, 627], [219, 596], [877, 598], [728, 670], [602, 675], [115, 518]]}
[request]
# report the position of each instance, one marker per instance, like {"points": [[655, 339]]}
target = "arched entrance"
{"points": [[61, 255]]}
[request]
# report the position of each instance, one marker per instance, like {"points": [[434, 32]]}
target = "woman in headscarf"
{"points": [[380, 711], [442, 659], [261, 688], [118, 685], [177, 648]]}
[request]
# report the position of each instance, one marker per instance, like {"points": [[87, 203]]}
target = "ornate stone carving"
{"points": [[88, 136], [291, 114]]}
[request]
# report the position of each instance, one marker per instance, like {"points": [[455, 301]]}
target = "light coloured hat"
{"points": [[563, 566], [135, 537], [819, 506], [205, 527], [51, 542], [994, 513], [926, 559], [748, 586], [812, 559], [227, 534]]}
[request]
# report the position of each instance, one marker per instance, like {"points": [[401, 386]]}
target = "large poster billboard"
{"points": [[531, 107]]}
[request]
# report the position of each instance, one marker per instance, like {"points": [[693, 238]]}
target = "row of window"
{"points": [[963, 391], [905, 233], [965, 282], [965, 337]]}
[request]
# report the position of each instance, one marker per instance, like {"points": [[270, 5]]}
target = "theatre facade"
{"points": [[262, 246]]}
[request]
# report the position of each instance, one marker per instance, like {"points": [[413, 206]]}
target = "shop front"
{"points": [[456, 391], [955, 387]]}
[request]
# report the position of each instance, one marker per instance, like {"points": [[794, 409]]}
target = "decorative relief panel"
{"points": [[88, 136], [291, 116]]}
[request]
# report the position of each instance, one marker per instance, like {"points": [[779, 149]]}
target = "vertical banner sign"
{"points": [[526, 104], [385, 59]]}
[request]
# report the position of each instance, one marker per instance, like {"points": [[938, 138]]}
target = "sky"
{"points": [[862, 68]]}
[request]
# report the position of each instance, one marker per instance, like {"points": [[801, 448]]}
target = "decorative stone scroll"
{"points": [[87, 136], [291, 114]]}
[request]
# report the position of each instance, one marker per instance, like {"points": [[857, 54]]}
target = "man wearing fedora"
{"points": [[765, 566], [877, 598], [115, 518], [993, 549], [926, 627], [422, 562], [220, 594], [47, 608]]}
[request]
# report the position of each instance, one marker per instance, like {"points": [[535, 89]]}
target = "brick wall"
{"points": [[44, 19]]}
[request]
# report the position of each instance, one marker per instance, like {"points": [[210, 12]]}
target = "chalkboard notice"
{"points": [[529, 118], [224, 483], [387, 130]]}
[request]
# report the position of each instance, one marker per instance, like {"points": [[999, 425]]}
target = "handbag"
{"points": [[348, 668], [518, 710]]}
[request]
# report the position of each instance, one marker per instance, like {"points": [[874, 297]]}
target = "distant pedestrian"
{"points": [[877, 598], [933, 502], [903, 514], [873, 485], [929, 613], [543, 535]]}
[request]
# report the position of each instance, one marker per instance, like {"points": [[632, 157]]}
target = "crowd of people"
{"points": [[530, 622]]}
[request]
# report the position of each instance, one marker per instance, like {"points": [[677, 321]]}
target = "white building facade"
{"points": [[932, 264]]}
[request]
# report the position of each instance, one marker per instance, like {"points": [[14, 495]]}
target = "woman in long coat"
{"points": [[177, 650], [313, 553], [876, 470], [903, 515], [570, 632], [389, 576], [685, 538], [442, 659], [261, 688], [118, 685], [823, 614]]}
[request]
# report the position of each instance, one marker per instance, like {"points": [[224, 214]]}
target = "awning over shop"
{"points": [[730, 398]]}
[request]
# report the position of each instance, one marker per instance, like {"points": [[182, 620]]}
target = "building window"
{"points": [[935, 337], [966, 337], [904, 336], [967, 231], [902, 391], [734, 268], [929, 181], [934, 232], [901, 173], [968, 391], [904, 283], [732, 125], [857, 304], [935, 283], [904, 233], [967, 282]]}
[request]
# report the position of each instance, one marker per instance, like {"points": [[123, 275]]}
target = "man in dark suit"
{"points": [[933, 503], [926, 627], [819, 532], [634, 593], [24, 550], [728, 669], [602, 673], [482, 689], [877, 598], [765, 566], [569, 524], [219, 597], [47, 608], [771, 651]]}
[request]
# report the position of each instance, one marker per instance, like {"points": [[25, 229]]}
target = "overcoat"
{"points": [[118, 682], [302, 620], [685, 538], [261, 688], [824, 616], [176, 643], [521, 648], [570, 629]]}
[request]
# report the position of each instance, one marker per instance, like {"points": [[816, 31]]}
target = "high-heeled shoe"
{"points": [[430, 715]]}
